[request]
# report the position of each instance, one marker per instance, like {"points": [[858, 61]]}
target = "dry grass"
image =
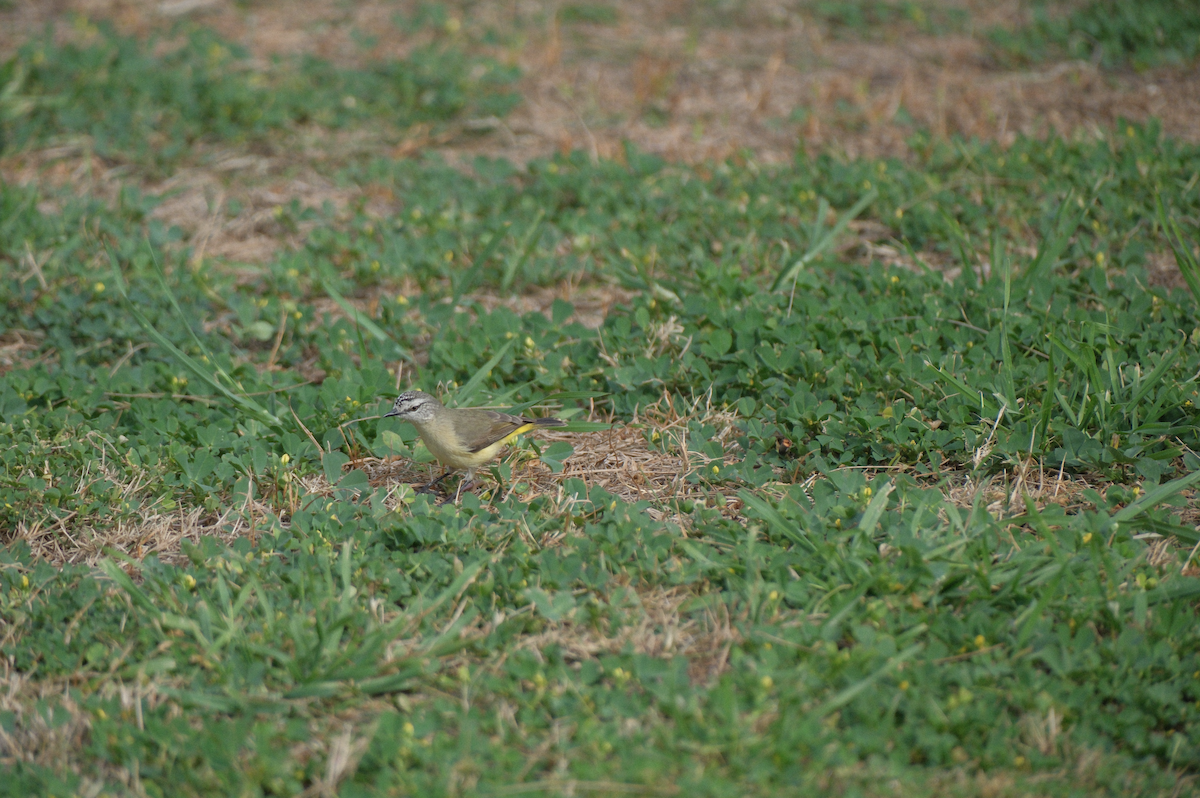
{"points": [[44, 738], [67, 537], [152, 532], [16, 346]]}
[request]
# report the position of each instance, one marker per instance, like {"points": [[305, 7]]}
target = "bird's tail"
{"points": [[549, 422]]}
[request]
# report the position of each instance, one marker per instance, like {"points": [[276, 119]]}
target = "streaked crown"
{"points": [[414, 406]]}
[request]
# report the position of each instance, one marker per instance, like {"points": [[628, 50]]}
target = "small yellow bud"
{"points": [[285, 459], [767, 682], [98, 288], [903, 685]]}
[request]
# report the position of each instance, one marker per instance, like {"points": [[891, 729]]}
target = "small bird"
{"points": [[462, 438]]}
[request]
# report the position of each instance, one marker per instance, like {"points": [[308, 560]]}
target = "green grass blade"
{"points": [[967, 392], [1051, 248], [1156, 496], [187, 361], [699, 556], [1154, 378], [1047, 401], [115, 573], [478, 266], [514, 264], [1000, 261], [776, 520], [1175, 590], [1084, 363], [846, 696], [453, 591], [556, 397], [824, 241], [365, 322], [1188, 265], [875, 509], [464, 394], [962, 243]]}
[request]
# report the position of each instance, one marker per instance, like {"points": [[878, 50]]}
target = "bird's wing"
{"points": [[497, 427]]}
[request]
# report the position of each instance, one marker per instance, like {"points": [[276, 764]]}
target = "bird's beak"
{"points": [[393, 413]]}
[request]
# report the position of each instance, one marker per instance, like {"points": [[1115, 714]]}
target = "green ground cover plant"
{"points": [[135, 101], [877, 17], [860, 582], [1141, 35]]}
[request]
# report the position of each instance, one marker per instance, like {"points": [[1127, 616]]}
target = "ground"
{"points": [[925, 522]]}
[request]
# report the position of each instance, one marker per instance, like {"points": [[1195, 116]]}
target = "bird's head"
{"points": [[414, 406]]}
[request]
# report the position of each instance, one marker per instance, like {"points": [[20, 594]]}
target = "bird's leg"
{"points": [[468, 482], [428, 488]]}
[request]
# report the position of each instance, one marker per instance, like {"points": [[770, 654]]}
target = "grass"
{"points": [[1141, 35], [880, 476], [874, 17], [140, 102]]}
